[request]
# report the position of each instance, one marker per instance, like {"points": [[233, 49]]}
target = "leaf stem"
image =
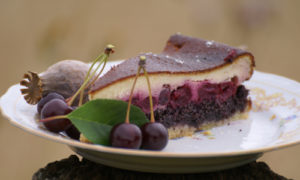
{"points": [[131, 93]]}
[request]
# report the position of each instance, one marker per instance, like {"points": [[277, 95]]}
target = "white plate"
{"points": [[273, 123]]}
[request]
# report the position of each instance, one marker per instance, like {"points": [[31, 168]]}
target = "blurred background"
{"points": [[35, 34]]}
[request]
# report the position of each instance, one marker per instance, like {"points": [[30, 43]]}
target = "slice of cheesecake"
{"points": [[195, 84]]}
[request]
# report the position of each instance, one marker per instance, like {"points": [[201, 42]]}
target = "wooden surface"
{"points": [[76, 169]]}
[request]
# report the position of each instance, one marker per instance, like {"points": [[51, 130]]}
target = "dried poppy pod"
{"points": [[64, 77]]}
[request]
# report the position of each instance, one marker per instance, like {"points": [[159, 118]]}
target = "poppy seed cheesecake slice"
{"points": [[196, 84]]}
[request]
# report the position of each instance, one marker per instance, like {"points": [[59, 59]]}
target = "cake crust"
{"points": [[181, 55]]}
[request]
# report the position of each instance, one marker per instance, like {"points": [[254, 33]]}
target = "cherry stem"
{"points": [[86, 78], [152, 120], [92, 66], [84, 85], [53, 118], [98, 75], [101, 58], [142, 65], [131, 93]]}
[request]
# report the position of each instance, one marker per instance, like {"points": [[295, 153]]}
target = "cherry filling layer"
{"points": [[195, 102]]}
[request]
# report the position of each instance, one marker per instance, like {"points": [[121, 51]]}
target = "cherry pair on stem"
{"points": [[151, 136]]}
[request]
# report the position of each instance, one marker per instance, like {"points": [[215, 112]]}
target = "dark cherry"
{"points": [[227, 89], [208, 91], [56, 107], [164, 96], [155, 136], [135, 100], [126, 135], [181, 96], [48, 98], [72, 132], [145, 106]]}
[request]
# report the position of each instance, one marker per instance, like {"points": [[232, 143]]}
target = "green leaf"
{"points": [[96, 118]]}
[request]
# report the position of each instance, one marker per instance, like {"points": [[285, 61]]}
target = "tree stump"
{"points": [[75, 169]]}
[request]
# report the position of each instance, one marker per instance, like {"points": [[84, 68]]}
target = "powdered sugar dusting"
{"points": [[179, 61], [209, 43]]}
